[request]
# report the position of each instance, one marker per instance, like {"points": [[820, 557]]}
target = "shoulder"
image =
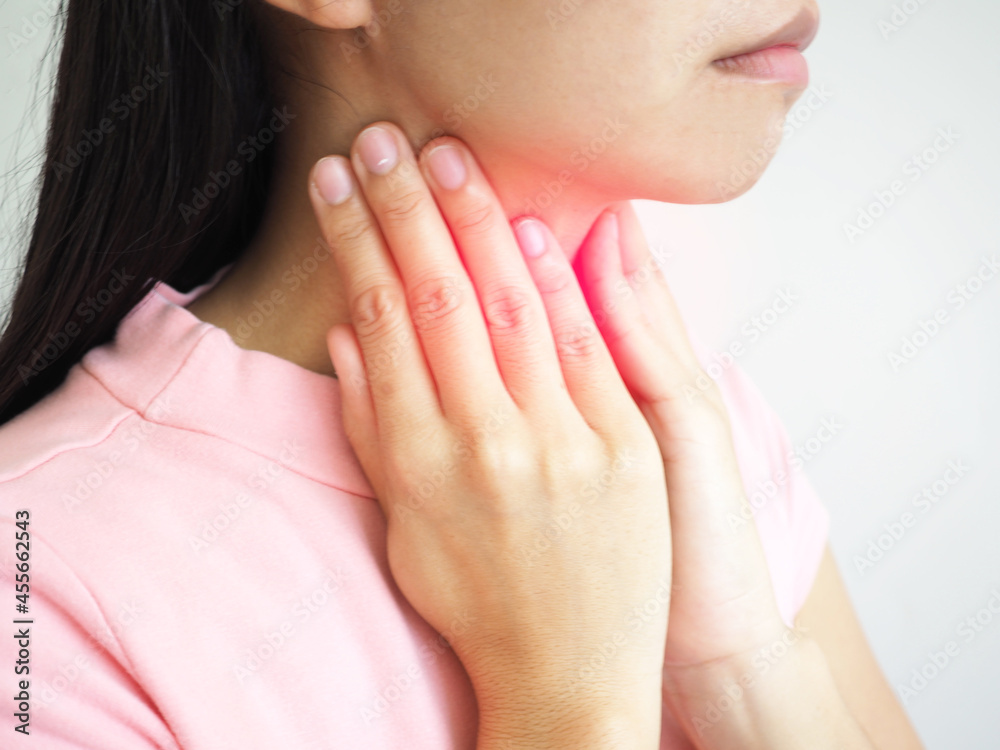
{"points": [[78, 415], [792, 521]]}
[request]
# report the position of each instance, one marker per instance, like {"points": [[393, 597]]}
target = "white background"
{"points": [[826, 357]]}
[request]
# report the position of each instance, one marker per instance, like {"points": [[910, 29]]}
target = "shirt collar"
{"points": [[176, 369]]}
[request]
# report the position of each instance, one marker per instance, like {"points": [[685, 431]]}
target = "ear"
{"points": [[329, 14]]}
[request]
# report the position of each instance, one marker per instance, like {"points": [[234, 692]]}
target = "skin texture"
{"points": [[542, 90], [683, 121]]}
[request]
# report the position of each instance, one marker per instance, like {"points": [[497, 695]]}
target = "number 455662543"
{"points": [[22, 552]]}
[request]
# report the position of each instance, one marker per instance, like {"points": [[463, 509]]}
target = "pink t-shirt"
{"points": [[207, 561]]}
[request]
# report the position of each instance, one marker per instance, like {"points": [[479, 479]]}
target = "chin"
{"points": [[726, 177], [716, 186]]}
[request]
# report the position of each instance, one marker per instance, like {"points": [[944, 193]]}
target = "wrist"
{"points": [[781, 695], [534, 714], [595, 726]]}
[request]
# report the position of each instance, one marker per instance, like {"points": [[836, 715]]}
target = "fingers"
{"points": [[615, 306], [401, 387], [512, 308], [645, 276], [647, 339], [443, 302], [357, 409], [589, 370]]}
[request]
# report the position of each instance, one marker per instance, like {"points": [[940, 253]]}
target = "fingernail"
{"points": [[333, 180], [530, 237], [378, 150], [447, 167]]}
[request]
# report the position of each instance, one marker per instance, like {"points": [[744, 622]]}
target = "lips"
{"points": [[797, 33], [777, 64]]}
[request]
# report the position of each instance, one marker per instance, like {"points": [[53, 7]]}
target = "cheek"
{"points": [[708, 144], [619, 110], [530, 65]]}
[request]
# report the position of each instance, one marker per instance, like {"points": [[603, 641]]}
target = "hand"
{"points": [[723, 604], [523, 490]]}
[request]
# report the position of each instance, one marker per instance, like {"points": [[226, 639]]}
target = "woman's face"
{"points": [[620, 100]]}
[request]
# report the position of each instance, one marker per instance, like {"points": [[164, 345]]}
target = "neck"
{"points": [[284, 293]]}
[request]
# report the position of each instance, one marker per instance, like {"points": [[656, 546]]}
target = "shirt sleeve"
{"points": [[81, 695], [792, 521]]}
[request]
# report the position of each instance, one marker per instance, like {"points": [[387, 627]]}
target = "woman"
{"points": [[447, 490]]}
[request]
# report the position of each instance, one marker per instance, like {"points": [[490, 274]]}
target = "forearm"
{"points": [[782, 697]]}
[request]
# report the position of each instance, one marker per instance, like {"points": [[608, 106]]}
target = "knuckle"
{"points": [[382, 387], [554, 278], [507, 309], [480, 219], [377, 311], [481, 424], [580, 341], [403, 207], [350, 231], [584, 462], [435, 301], [497, 463]]}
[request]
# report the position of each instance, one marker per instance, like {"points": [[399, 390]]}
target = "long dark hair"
{"points": [[147, 174]]}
